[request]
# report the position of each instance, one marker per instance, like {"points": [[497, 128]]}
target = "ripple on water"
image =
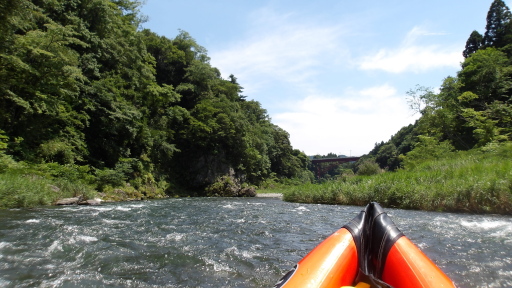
{"points": [[175, 236], [486, 225], [56, 246], [215, 242], [233, 251], [33, 221], [215, 265], [84, 238], [5, 244]]}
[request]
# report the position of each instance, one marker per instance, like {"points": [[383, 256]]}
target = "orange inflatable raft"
{"points": [[369, 251]]}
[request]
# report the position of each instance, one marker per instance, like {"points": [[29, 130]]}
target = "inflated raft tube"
{"points": [[369, 251]]}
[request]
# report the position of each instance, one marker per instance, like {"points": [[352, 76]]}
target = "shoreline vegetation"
{"points": [[475, 181], [93, 105], [96, 107]]}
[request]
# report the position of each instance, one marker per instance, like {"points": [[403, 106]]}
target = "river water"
{"points": [[222, 242]]}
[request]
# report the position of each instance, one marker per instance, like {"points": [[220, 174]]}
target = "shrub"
{"points": [[368, 167]]}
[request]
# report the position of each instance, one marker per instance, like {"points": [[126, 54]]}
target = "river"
{"points": [[222, 242]]}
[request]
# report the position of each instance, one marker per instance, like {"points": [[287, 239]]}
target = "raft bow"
{"points": [[369, 251]]}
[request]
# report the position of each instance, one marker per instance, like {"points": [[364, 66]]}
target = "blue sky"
{"points": [[334, 74]]}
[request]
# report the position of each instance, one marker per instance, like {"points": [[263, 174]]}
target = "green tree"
{"points": [[487, 73], [368, 167], [427, 148], [387, 157], [40, 84], [81, 84], [473, 43], [498, 25]]}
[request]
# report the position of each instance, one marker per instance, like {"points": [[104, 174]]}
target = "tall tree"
{"points": [[498, 25], [487, 74], [473, 44]]}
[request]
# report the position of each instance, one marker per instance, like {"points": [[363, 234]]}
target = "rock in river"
{"points": [[69, 201]]}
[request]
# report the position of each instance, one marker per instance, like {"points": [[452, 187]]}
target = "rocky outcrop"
{"points": [[248, 192], [229, 186], [68, 201], [92, 202], [78, 201]]}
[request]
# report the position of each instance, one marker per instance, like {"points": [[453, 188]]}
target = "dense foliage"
{"points": [[83, 87], [456, 157], [463, 181], [472, 109]]}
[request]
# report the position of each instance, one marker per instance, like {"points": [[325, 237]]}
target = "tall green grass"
{"points": [[21, 190], [30, 185], [470, 181]]}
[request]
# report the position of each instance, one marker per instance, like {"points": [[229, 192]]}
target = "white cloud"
{"points": [[291, 54], [280, 48], [348, 124], [411, 56]]}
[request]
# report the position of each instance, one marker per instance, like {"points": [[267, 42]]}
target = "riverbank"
{"points": [[25, 187], [470, 181]]}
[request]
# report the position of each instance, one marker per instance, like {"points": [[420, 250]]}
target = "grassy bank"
{"points": [[30, 190], [470, 181], [27, 186]]}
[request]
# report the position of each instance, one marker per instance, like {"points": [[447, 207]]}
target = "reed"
{"points": [[21, 190], [470, 181]]}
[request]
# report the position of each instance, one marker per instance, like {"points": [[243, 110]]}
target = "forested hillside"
{"points": [[457, 156], [86, 95], [472, 109]]}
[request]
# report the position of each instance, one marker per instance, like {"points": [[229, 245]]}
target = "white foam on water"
{"points": [[486, 224], [239, 220], [175, 236], [497, 228], [136, 205], [56, 222], [229, 206], [56, 245], [101, 208], [506, 273], [33, 221], [217, 267], [110, 221], [245, 254], [301, 208], [248, 254], [68, 207], [86, 238], [4, 244], [495, 264], [58, 282], [475, 268], [123, 209], [50, 266], [422, 245], [504, 232]]}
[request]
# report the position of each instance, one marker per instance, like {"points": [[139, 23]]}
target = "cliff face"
{"points": [[208, 168], [199, 172]]}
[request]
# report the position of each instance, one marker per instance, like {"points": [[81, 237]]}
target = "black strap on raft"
{"points": [[286, 277], [374, 234]]}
